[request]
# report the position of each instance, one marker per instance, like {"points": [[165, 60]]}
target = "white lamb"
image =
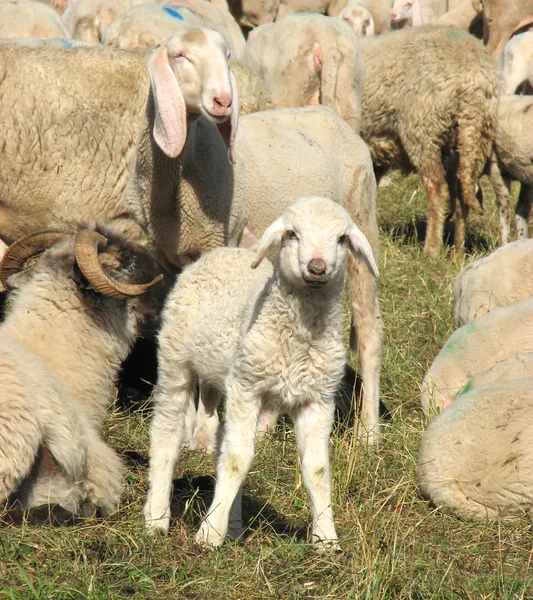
{"points": [[266, 337]]}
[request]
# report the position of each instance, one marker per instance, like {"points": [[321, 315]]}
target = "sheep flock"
{"points": [[294, 229]]}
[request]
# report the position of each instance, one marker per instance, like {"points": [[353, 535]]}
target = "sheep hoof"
{"points": [[201, 444], [207, 537], [327, 547], [88, 510]]}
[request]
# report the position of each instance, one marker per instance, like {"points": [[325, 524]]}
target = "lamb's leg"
{"points": [[502, 187], [204, 437], [175, 392], [366, 340], [461, 215], [523, 210], [313, 423], [234, 460], [438, 203]]}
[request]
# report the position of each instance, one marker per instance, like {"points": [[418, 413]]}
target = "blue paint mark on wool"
{"points": [[66, 43], [173, 13]]}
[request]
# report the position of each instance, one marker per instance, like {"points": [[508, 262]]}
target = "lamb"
{"points": [[309, 59], [29, 19], [277, 343], [378, 9], [475, 457], [70, 322], [475, 348], [359, 18], [411, 12], [443, 99], [502, 278]]}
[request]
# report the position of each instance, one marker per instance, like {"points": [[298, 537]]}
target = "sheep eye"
{"points": [[343, 239], [291, 235], [179, 56]]}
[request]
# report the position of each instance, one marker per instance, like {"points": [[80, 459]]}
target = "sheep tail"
{"points": [[326, 63]]}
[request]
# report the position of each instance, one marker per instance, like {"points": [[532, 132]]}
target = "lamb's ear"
{"points": [[370, 29], [417, 17], [228, 129], [360, 247], [170, 124], [271, 237]]}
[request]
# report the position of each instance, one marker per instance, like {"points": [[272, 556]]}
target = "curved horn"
{"points": [[23, 249], [86, 247]]}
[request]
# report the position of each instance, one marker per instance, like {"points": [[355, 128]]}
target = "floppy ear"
{"points": [[370, 28], [228, 129], [170, 124], [417, 16], [360, 247], [271, 237]]}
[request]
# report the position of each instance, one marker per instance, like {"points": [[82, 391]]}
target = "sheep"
{"points": [[70, 321], [277, 343], [359, 18], [309, 59], [29, 19], [221, 18], [475, 348], [517, 64], [88, 20], [174, 201], [443, 99], [515, 367], [378, 9], [502, 278], [411, 12], [87, 112], [475, 457]]}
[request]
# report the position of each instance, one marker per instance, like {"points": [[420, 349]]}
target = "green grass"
{"points": [[396, 545]]}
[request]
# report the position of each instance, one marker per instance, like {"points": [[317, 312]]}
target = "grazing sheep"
{"points": [[475, 348], [515, 367], [309, 59], [277, 343], [278, 155], [70, 322], [88, 20], [378, 9], [476, 456], [29, 19], [411, 13], [443, 99], [87, 113], [359, 18], [502, 278]]}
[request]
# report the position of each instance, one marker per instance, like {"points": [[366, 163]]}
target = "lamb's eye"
{"points": [[291, 235], [343, 239]]}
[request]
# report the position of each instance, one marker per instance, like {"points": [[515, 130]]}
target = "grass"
{"points": [[396, 545]]}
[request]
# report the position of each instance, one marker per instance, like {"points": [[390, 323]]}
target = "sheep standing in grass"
{"points": [[265, 337], [70, 323], [476, 457], [415, 112], [502, 278]]}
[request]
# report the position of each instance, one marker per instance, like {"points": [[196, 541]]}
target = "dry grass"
{"points": [[395, 544]]}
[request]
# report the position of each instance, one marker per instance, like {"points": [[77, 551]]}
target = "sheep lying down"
{"points": [[476, 457], [264, 337]]}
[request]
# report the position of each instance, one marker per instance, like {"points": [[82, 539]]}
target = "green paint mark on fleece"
{"points": [[465, 389], [454, 33], [457, 340]]}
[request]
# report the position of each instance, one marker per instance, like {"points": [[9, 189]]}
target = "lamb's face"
{"points": [[315, 235]]}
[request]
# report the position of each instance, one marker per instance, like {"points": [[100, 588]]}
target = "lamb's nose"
{"points": [[317, 267], [223, 99]]}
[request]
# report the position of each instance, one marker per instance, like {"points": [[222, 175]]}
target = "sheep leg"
{"points": [[173, 397], [204, 438], [461, 215], [313, 422], [502, 187], [366, 339], [438, 202], [523, 210], [235, 458]]}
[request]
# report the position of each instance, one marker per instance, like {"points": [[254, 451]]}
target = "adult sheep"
{"points": [[87, 114], [476, 457], [29, 19], [70, 321], [415, 112], [309, 59]]}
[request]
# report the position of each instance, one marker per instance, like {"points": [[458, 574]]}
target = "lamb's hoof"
{"points": [[201, 444], [207, 537], [327, 547], [88, 510]]}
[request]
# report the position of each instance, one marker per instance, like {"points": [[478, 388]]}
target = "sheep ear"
{"points": [[370, 29], [170, 124], [228, 129], [360, 247], [417, 18], [17, 280], [271, 237]]}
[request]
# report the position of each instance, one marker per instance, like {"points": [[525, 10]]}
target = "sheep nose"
{"points": [[317, 267], [393, 16], [223, 100]]}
